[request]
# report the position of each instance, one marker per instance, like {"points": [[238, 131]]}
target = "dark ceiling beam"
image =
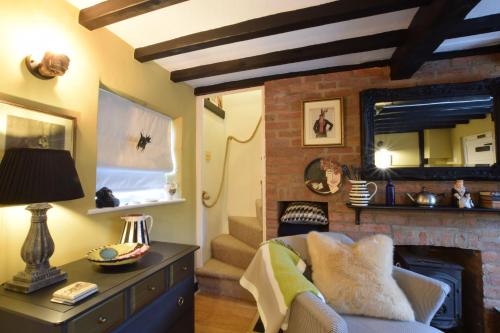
{"points": [[477, 106], [337, 11], [112, 11], [258, 81], [475, 26], [466, 53], [318, 51], [419, 124], [411, 127], [473, 111], [428, 29], [409, 130], [433, 117]]}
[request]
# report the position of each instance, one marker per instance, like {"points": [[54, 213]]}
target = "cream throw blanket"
{"points": [[274, 278]]}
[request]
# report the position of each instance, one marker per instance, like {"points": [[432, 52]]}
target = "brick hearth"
{"points": [[286, 160]]}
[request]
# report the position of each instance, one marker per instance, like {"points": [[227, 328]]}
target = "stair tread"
{"points": [[227, 240], [219, 269]]}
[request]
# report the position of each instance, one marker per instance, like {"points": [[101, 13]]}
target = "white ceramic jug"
{"points": [[136, 229]]}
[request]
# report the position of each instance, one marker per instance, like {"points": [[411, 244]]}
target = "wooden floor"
{"points": [[214, 314]]}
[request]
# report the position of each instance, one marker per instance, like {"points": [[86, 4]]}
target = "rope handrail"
{"points": [[204, 196]]}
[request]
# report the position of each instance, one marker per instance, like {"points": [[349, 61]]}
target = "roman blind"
{"points": [[134, 149]]}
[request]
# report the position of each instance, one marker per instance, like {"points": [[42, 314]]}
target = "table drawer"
{"points": [[148, 290], [103, 318], [181, 269]]}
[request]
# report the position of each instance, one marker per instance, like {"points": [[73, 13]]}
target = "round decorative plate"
{"points": [[117, 254], [323, 176]]}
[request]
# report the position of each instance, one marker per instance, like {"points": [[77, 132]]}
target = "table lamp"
{"points": [[36, 177]]}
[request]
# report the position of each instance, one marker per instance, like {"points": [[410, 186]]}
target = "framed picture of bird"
{"points": [[323, 123]]}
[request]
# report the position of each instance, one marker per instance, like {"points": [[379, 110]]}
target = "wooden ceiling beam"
{"points": [[318, 51], [428, 29], [475, 26], [466, 53], [112, 11], [432, 117], [409, 130], [337, 11], [403, 129], [258, 81]]}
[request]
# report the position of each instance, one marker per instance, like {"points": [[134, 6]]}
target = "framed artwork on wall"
{"points": [[323, 123], [323, 176], [26, 127]]}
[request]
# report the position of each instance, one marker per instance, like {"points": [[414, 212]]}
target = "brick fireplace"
{"points": [[286, 160]]}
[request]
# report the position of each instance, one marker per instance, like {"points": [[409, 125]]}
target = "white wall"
{"points": [[214, 138], [244, 169], [243, 111]]}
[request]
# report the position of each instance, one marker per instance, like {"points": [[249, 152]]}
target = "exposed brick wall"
{"points": [[286, 160]]}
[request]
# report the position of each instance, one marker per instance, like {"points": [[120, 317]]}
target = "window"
{"points": [[134, 150]]}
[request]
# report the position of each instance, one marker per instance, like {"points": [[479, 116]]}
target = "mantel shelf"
{"points": [[358, 209], [95, 211]]}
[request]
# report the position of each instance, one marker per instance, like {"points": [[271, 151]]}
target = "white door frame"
{"points": [[200, 228]]}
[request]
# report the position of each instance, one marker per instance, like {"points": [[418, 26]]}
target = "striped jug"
{"points": [[359, 194], [136, 229]]}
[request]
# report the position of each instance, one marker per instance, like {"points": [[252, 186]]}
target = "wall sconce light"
{"points": [[50, 66]]}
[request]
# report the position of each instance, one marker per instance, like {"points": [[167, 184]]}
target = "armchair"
{"points": [[309, 314]]}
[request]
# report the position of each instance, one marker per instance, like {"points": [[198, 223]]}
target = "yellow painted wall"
{"points": [[475, 126], [438, 148], [28, 26]]}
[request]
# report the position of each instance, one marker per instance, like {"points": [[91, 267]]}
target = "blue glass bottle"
{"points": [[390, 193]]}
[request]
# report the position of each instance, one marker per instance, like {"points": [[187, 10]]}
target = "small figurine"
{"points": [[460, 196], [466, 201], [105, 198]]}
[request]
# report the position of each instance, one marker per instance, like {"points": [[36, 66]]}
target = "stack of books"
{"points": [[489, 199], [74, 293]]}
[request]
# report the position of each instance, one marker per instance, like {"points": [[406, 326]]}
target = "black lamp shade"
{"points": [[38, 175]]}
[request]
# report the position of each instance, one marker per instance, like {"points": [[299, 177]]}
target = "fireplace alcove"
{"points": [[434, 261], [286, 229]]}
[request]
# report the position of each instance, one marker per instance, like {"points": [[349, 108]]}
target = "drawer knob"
{"points": [[184, 268], [180, 301], [102, 320], [152, 288]]}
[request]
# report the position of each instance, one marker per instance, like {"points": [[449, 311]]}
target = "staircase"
{"points": [[231, 255]]}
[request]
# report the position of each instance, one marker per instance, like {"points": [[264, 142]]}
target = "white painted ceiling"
{"points": [[199, 15]]}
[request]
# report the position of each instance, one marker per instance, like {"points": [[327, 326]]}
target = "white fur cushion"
{"points": [[357, 278]]}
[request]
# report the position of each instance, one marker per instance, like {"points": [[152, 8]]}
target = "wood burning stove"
{"points": [[450, 314]]}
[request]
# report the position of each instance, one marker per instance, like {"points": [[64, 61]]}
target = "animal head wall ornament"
{"points": [[50, 66], [143, 141]]}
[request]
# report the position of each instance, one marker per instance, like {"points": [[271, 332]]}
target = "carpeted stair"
{"points": [[231, 254]]}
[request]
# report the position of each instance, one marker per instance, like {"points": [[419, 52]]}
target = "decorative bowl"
{"points": [[117, 254]]}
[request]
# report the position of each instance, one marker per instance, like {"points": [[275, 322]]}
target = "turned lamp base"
{"points": [[36, 251]]}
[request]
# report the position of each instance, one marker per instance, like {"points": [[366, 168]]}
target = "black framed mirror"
{"points": [[434, 132]]}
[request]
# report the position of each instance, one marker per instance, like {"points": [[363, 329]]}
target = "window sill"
{"points": [[95, 211]]}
